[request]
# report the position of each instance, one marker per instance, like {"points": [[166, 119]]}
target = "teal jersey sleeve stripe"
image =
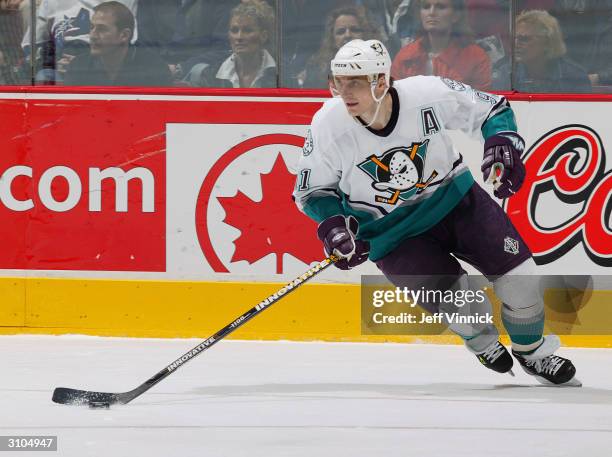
{"points": [[386, 233], [320, 208], [503, 121]]}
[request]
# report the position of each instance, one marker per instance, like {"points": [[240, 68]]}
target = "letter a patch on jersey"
{"points": [[398, 172], [429, 121]]}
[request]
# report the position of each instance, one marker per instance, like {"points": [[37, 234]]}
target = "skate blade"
{"points": [[574, 382]]}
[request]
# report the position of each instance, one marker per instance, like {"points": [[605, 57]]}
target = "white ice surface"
{"points": [[285, 399]]}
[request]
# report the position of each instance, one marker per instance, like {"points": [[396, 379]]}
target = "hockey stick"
{"points": [[68, 396], [496, 171]]}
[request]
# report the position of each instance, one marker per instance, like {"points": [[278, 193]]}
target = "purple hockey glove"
{"points": [[502, 164], [339, 237]]}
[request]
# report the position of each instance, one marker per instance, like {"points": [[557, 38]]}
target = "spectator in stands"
{"points": [[598, 58], [302, 26], [587, 31], [342, 25], [62, 32], [490, 21], [11, 32], [112, 61], [251, 29], [541, 65], [396, 20], [179, 30], [445, 47], [5, 70]]}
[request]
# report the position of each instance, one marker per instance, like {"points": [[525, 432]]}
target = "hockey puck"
{"points": [[99, 405]]}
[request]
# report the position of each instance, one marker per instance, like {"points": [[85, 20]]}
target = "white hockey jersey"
{"points": [[402, 180]]}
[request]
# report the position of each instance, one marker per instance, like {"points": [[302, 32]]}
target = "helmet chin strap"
{"points": [[336, 93], [378, 103]]}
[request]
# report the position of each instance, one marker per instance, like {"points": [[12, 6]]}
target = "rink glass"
{"points": [[298, 32]]}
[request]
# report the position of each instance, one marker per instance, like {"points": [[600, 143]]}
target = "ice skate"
{"points": [[497, 358], [549, 369]]}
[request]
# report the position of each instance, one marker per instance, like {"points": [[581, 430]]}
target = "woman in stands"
{"points": [[445, 47], [342, 25], [541, 62], [250, 32]]}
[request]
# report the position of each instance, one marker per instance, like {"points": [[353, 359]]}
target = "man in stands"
{"points": [[112, 61]]}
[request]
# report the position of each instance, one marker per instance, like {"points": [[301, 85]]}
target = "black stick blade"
{"points": [[66, 396]]}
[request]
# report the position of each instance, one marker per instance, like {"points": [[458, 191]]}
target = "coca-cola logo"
{"points": [[566, 198]]}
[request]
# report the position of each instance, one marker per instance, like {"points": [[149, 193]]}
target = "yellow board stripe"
{"points": [[13, 302], [185, 309]]}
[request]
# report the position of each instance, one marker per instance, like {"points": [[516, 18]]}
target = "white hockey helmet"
{"points": [[359, 57]]}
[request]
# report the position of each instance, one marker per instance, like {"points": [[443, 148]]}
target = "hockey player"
{"points": [[382, 178]]}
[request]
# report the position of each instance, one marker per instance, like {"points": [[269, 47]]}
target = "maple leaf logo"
{"points": [[274, 224]]}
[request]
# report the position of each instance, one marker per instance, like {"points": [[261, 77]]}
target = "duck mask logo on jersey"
{"points": [[398, 172]]}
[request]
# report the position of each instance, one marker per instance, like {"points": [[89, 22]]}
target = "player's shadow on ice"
{"points": [[519, 393]]}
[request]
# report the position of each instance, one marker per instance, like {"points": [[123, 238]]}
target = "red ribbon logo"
{"points": [[567, 196]]}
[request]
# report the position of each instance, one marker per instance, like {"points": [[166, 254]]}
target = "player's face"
{"points": [[346, 28], [245, 36], [530, 45], [104, 37], [356, 94], [437, 16]]}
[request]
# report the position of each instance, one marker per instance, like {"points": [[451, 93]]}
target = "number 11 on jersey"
{"points": [[304, 177]]}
